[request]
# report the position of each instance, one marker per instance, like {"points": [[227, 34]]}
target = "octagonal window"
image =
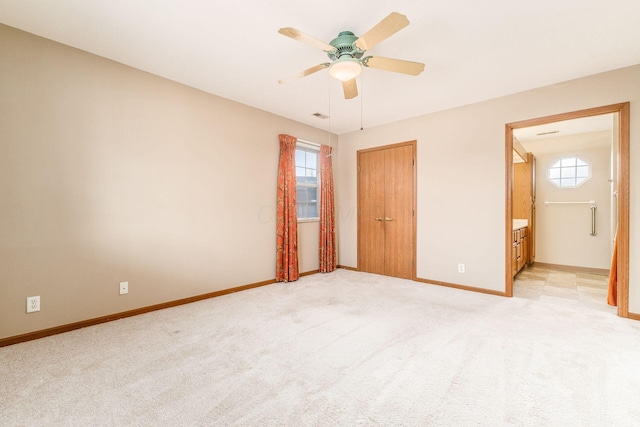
{"points": [[569, 172]]}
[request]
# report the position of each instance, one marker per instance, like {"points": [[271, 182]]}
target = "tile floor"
{"points": [[564, 287]]}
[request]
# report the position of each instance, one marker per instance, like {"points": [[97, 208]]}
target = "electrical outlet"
{"points": [[124, 288], [33, 304], [460, 268]]}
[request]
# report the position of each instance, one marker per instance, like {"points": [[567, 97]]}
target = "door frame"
{"points": [[623, 192], [414, 145]]}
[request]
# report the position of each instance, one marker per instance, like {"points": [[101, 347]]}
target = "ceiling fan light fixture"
{"points": [[345, 68]]}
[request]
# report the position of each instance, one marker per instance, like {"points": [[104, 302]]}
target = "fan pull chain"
{"points": [[361, 96], [329, 97]]}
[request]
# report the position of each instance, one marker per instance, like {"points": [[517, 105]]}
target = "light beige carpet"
{"points": [[338, 349]]}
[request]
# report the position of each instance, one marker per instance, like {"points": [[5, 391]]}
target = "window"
{"points": [[307, 190], [569, 172]]}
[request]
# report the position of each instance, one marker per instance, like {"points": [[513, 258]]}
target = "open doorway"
{"points": [[598, 256]]}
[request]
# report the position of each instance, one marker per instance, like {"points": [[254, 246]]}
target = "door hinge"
{"points": [[413, 212], [413, 162]]}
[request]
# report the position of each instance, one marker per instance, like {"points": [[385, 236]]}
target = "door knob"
{"points": [[388, 219], [379, 218]]}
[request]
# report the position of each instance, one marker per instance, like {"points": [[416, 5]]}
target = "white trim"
{"points": [[316, 219], [308, 144]]}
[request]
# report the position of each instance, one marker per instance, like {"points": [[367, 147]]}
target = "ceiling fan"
{"points": [[346, 53]]}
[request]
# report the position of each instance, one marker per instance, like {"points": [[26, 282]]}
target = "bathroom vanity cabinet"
{"points": [[520, 249]]}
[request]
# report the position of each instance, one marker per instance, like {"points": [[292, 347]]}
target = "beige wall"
{"points": [[461, 170], [110, 174], [563, 231]]}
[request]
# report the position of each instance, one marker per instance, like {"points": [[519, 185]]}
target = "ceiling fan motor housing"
{"points": [[345, 46]]}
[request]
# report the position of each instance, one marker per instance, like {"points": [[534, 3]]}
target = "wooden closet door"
{"points": [[398, 207], [371, 211], [386, 222]]}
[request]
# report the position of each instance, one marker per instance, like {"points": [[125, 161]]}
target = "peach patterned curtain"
{"points": [[327, 213], [286, 216]]}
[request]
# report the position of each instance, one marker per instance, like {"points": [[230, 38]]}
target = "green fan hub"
{"points": [[344, 45]]}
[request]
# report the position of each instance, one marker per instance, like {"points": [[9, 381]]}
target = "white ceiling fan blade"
{"points": [[382, 30], [305, 73], [305, 38], [350, 89], [395, 65]]}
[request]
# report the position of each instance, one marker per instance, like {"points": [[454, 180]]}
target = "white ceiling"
{"points": [[542, 138], [566, 127], [473, 50]]}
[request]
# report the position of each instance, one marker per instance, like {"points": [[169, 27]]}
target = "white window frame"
{"points": [[310, 147], [564, 169]]}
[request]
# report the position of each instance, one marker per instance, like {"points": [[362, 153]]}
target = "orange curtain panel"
{"points": [[286, 216], [327, 250]]}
